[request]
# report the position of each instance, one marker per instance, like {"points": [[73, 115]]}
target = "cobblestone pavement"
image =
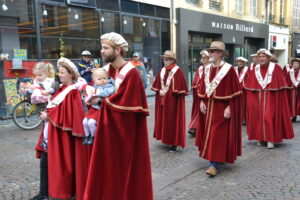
{"points": [[258, 174]]}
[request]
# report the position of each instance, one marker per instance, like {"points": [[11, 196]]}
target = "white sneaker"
{"points": [[270, 145]]}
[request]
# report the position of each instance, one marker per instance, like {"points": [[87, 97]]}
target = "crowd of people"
{"points": [[103, 153]]}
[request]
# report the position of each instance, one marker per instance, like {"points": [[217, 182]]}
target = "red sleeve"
{"points": [[179, 86], [156, 86], [69, 114], [130, 96]]}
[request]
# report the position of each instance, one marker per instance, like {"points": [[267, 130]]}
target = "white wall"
{"points": [[162, 3]]}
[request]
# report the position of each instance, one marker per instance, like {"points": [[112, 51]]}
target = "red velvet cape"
{"points": [[120, 163], [293, 93], [68, 160], [169, 126], [268, 112], [219, 139], [196, 102]]}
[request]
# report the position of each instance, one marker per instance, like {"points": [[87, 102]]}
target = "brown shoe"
{"points": [[212, 171]]}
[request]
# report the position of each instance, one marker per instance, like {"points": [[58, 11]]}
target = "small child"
{"points": [[42, 88], [103, 87]]}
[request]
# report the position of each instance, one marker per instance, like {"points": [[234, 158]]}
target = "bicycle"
{"points": [[25, 114]]}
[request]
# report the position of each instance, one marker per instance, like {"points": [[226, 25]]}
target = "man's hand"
{"points": [[203, 107], [43, 115], [227, 112]]}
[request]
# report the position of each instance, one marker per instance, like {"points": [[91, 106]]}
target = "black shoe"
{"points": [[173, 149], [40, 197], [90, 140], [85, 140], [192, 132], [294, 119]]}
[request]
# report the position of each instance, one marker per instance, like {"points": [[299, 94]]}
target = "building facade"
{"points": [[33, 30]]}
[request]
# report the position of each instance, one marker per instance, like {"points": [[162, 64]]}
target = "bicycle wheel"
{"points": [[26, 115]]}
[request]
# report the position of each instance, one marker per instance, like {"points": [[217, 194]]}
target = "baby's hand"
{"points": [[45, 92]]}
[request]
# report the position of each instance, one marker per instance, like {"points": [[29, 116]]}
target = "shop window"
{"points": [[146, 9], [68, 31], [17, 29], [163, 12], [108, 4], [129, 6], [109, 22]]}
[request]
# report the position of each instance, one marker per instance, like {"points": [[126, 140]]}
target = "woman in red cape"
{"points": [[120, 166], [267, 108], [169, 126], [68, 160], [220, 138], [196, 103]]}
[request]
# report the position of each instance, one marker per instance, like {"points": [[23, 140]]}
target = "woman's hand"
{"points": [[227, 112], [44, 115], [203, 107]]}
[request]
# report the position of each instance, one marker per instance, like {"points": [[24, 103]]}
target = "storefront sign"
{"points": [[20, 54], [17, 63], [237, 27]]}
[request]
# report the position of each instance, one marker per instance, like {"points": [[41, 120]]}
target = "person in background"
{"points": [[85, 66], [268, 113], [293, 81], [136, 61], [196, 103], [170, 88], [255, 61]]}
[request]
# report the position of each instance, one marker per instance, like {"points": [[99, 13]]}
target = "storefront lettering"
{"points": [[237, 27]]}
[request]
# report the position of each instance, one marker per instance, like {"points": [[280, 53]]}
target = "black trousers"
{"points": [[44, 174]]}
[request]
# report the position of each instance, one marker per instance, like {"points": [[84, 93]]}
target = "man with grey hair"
{"points": [[219, 92], [268, 113], [120, 162]]}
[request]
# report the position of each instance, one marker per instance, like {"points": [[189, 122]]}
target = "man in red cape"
{"points": [[293, 81], [171, 89], [196, 103], [242, 71], [120, 163], [219, 140], [267, 104], [68, 160]]}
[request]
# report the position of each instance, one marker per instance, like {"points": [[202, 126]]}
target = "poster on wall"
{"points": [[20, 54], [12, 97]]}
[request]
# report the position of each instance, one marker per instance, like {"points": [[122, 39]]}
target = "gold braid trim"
{"points": [[177, 91], [221, 97], [154, 89], [261, 90], [125, 107], [65, 128]]}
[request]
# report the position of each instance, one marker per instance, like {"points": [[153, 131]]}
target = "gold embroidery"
{"points": [[177, 91], [271, 89], [65, 128], [125, 107], [222, 97]]}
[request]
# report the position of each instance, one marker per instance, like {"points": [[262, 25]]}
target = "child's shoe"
{"points": [[85, 140], [90, 140]]}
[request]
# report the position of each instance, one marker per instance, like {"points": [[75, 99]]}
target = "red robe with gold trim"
{"points": [[196, 102], [267, 109], [120, 163], [293, 94], [68, 160], [169, 126], [220, 140]]}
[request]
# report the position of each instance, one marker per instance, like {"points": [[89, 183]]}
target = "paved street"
{"points": [[259, 174]]}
